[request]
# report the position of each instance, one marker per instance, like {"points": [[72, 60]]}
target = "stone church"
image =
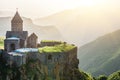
{"points": [[17, 37]]}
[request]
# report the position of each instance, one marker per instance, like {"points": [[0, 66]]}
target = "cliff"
{"points": [[32, 71], [58, 62]]}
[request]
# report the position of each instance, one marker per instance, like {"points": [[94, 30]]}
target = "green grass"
{"points": [[1, 42], [57, 48]]}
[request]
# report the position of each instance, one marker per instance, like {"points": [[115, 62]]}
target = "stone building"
{"points": [[17, 38], [32, 41], [55, 57]]}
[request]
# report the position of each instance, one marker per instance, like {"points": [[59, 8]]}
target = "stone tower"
{"points": [[17, 23], [16, 38]]}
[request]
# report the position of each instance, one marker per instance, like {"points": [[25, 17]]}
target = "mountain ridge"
{"points": [[45, 32], [101, 56], [81, 26]]}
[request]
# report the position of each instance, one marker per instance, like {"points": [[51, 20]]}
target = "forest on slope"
{"points": [[101, 56]]}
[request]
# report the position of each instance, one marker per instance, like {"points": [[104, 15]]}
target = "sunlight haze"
{"points": [[41, 8], [78, 21]]}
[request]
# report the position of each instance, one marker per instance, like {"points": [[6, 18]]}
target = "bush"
{"points": [[84, 76], [102, 77], [114, 76]]}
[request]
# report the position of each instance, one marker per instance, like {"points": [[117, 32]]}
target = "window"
{"points": [[49, 57]]}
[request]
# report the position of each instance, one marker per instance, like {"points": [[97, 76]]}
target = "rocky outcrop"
{"points": [[62, 65], [55, 65], [44, 66]]}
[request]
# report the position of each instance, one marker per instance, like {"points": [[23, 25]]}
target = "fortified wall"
{"points": [[49, 43], [54, 60]]}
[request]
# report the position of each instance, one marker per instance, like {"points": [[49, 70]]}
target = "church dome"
{"points": [[17, 18]]}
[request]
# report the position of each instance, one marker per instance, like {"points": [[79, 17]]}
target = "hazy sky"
{"points": [[39, 8]]}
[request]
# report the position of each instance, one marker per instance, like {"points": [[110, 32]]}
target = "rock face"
{"points": [[45, 66], [53, 66]]}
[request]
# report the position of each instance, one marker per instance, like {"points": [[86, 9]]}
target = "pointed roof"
{"points": [[33, 35], [17, 18]]}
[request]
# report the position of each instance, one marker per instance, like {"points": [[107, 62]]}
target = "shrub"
{"points": [[114, 76], [102, 77]]}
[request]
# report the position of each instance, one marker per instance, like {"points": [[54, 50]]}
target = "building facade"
{"points": [[32, 41], [17, 37]]}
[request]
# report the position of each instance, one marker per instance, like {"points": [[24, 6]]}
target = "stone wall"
{"points": [[19, 34], [16, 59], [55, 65], [42, 44], [17, 26], [11, 45]]}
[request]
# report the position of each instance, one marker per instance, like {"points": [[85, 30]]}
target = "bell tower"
{"points": [[17, 23]]}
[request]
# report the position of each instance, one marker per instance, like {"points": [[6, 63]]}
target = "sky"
{"points": [[41, 8]]}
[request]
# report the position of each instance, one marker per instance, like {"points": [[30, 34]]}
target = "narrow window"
{"points": [[49, 57]]}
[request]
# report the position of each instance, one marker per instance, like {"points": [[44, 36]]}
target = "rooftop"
{"points": [[13, 38], [17, 18], [26, 50]]}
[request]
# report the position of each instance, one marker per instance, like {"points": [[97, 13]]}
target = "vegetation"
{"points": [[102, 77], [114, 76], [1, 42], [29, 71], [58, 48], [101, 56], [85, 76], [32, 71]]}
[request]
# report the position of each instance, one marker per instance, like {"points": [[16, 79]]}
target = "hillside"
{"points": [[44, 32], [32, 71], [4, 13], [101, 56], [82, 25], [55, 62]]}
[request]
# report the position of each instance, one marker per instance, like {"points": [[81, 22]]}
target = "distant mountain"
{"points": [[82, 25], [4, 13], [101, 56], [43, 32]]}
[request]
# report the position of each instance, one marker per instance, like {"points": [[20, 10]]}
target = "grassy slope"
{"points": [[102, 55]]}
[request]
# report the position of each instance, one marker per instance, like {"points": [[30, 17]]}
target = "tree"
{"points": [[114, 76], [102, 77]]}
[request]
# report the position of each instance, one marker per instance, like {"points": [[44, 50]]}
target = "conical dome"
{"points": [[17, 18], [17, 23]]}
